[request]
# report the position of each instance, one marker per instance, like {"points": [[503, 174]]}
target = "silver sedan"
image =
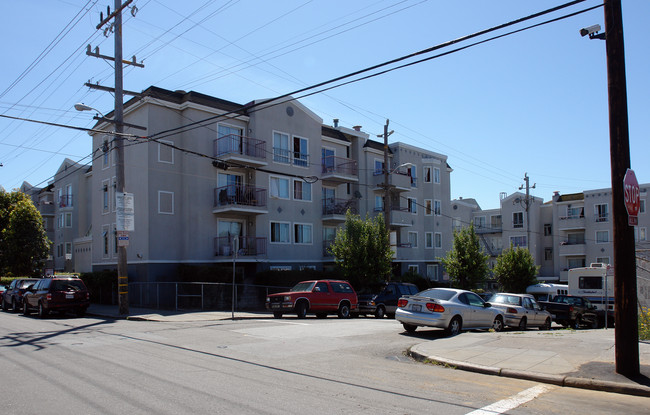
{"points": [[521, 311], [447, 308]]}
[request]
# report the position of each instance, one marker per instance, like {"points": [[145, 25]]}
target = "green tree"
{"points": [[515, 270], [23, 242], [362, 250], [465, 263]]}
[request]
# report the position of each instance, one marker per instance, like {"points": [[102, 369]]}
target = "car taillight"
{"points": [[435, 308], [402, 303], [87, 296], [48, 297], [511, 310], [570, 309]]}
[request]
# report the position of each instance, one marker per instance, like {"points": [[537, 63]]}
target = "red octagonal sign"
{"points": [[632, 197]]}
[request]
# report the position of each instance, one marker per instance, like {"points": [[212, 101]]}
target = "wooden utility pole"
{"points": [[625, 295], [387, 206]]}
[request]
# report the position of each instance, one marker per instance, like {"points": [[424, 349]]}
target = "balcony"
{"points": [[65, 201], [572, 222], [249, 246], [339, 169], [572, 248], [482, 229], [400, 181], [237, 148], [239, 199], [334, 209], [286, 156], [401, 217]]}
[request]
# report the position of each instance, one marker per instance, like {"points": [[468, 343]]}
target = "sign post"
{"points": [[632, 197]]}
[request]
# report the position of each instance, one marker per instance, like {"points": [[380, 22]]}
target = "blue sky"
{"points": [[534, 102]]}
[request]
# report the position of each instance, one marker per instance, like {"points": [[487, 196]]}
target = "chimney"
{"points": [[336, 123], [357, 128]]}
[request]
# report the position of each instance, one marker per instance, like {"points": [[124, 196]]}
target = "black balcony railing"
{"points": [[333, 206], [233, 144], [234, 194], [247, 245], [339, 165]]}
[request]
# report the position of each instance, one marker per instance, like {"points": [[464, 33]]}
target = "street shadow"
{"points": [[42, 340]]}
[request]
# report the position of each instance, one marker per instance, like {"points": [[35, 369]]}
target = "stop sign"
{"points": [[632, 196]]}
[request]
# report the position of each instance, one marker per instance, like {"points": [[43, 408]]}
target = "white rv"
{"points": [[546, 292], [595, 282]]}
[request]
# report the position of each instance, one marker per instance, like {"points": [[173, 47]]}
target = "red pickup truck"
{"points": [[320, 297]]}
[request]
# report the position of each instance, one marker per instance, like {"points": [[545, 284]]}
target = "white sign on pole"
{"points": [[125, 207]]}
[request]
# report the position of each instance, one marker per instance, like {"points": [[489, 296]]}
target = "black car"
{"points": [[12, 298], [385, 303], [57, 294]]}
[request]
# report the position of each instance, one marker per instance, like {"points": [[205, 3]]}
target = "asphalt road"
{"points": [[330, 366]]}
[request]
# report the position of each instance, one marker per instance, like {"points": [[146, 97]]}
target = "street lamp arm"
{"points": [[83, 107]]}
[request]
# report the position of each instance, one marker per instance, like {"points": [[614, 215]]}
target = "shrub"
{"points": [[644, 323]]}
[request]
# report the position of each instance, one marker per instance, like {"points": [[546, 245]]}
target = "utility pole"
{"points": [[387, 185], [625, 294], [527, 203], [118, 119]]}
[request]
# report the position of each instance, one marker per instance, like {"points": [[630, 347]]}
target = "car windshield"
{"points": [[303, 286], [67, 285], [437, 293], [505, 299], [26, 283]]}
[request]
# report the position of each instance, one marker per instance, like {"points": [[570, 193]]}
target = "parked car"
{"points": [[13, 295], [572, 311], [521, 311], [320, 297], [447, 308], [57, 294], [385, 303]]}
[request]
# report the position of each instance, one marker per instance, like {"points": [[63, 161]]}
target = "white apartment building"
{"points": [[275, 195]]}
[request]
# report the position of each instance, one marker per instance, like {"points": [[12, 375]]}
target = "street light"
{"points": [[83, 107]]}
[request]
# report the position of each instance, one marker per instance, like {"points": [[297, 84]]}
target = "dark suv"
{"points": [[57, 294], [13, 296], [385, 303]]}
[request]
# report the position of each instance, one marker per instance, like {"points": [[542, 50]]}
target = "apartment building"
{"points": [[43, 199], [569, 231], [275, 196]]}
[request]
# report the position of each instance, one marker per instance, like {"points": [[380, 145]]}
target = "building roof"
{"points": [[376, 145], [571, 197], [333, 133]]}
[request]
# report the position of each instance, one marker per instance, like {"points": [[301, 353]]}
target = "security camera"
{"points": [[591, 30]]}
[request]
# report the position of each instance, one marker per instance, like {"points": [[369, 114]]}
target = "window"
{"points": [[379, 168], [456, 224], [105, 156], [547, 229], [412, 172], [518, 219], [575, 212], [412, 205], [68, 248], [576, 238], [548, 254], [414, 269], [105, 199], [341, 287], [413, 239], [328, 156], [600, 211], [432, 272], [302, 233], [437, 239], [428, 207], [427, 174], [230, 187], [602, 237], [301, 190], [575, 263], [479, 222], [114, 240], [518, 241], [229, 140], [300, 152], [280, 232], [105, 241], [642, 234], [590, 283], [281, 147], [68, 219], [495, 221], [165, 202], [641, 205], [436, 208], [61, 221], [436, 175], [428, 240], [603, 260], [279, 188], [165, 152], [379, 204]]}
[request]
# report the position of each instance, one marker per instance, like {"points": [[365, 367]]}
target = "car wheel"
{"points": [[4, 305], [380, 312], [498, 324], [575, 324], [301, 309], [409, 327], [455, 325], [25, 309], [522, 324], [42, 311], [277, 314], [546, 325], [14, 305], [344, 311]]}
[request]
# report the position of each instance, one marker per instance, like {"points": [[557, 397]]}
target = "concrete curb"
{"points": [[558, 380]]}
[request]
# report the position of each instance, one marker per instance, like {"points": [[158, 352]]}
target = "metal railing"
{"points": [[239, 145], [340, 165], [199, 295], [234, 194], [333, 206], [248, 246]]}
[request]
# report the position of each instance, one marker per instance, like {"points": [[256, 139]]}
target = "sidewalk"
{"points": [[573, 358]]}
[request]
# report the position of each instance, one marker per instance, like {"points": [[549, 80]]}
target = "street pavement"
{"points": [[571, 358]]}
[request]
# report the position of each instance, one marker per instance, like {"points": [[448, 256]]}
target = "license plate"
{"points": [[416, 307], [69, 296]]}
